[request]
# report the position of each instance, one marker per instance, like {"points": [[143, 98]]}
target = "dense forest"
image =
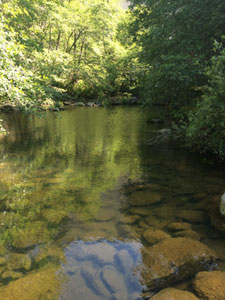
{"points": [[168, 53]]}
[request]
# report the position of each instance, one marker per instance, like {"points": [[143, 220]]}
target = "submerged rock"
{"points": [[193, 216], [144, 198], [40, 285], [173, 260], [210, 285], [11, 275], [177, 226], [189, 234], [216, 219], [174, 294], [130, 219], [17, 261], [154, 236]]}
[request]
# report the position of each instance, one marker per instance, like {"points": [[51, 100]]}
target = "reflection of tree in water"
{"points": [[61, 165]]}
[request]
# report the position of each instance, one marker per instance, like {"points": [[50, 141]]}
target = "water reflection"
{"points": [[82, 196], [102, 270]]}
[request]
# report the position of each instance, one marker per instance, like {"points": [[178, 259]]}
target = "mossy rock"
{"points": [[18, 261], [173, 260], [34, 234], [174, 294], [53, 216], [35, 286]]}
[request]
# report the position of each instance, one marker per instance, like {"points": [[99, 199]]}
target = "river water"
{"points": [[79, 189]]}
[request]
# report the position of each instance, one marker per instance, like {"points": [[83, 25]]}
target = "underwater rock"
{"points": [[173, 260], [155, 236], [10, 275], [102, 253], [156, 222], [144, 198], [174, 294], [18, 261], [125, 261], [193, 216], [177, 226], [93, 280], [130, 219], [36, 233], [39, 285], [53, 216], [142, 211], [188, 233], [52, 253], [210, 285], [114, 280]]}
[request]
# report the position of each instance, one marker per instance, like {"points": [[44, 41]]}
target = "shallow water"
{"points": [[75, 190]]}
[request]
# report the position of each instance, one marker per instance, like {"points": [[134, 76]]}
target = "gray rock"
{"points": [[112, 279], [93, 280], [101, 252], [91, 104], [79, 104], [125, 261]]}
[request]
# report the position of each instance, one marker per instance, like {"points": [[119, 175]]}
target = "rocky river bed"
{"points": [[89, 211]]}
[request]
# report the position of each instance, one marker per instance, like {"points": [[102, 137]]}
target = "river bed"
{"points": [[85, 199]]}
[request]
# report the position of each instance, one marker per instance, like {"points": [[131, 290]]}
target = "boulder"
{"points": [[174, 294], [193, 216], [144, 198], [39, 285], [154, 236], [173, 260], [189, 234], [210, 285], [177, 226]]}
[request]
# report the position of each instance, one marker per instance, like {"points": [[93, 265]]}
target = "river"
{"points": [[79, 190]]}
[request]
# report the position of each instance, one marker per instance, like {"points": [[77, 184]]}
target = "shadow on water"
{"points": [[80, 190]]}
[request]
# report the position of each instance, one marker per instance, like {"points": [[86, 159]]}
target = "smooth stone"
{"points": [[189, 234], [173, 260], [193, 216], [210, 285], [77, 289], [18, 261], [141, 211], [39, 285], [130, 219], [144, 198], [177, 226], [143, 225], [93, 280], [113, 279], [156, 222], [174, 294], [105, 215], [102, 252], [155, 236], [125, 261]]}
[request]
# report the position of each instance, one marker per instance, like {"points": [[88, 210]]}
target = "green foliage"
{"points": [[177, 40], [206, 129]]}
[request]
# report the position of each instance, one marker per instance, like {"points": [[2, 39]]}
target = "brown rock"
{"points": [[216, 219], [174, 294], [177, 226], [156, 222], [142, 211], [189, 234], [130, 219], [144, 198], [173, 260], [210, 285], [193, 216], [154, 236]]}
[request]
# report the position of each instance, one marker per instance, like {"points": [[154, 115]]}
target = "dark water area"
{"points": [[83, 197]]}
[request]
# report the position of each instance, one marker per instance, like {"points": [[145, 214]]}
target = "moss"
{"points": [[42, 285], [33, 234]]}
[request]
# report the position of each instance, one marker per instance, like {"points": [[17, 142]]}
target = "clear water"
{"points": [[72, 209]]}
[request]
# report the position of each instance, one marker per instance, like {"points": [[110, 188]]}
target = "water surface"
{"points": [[72, 205]]}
